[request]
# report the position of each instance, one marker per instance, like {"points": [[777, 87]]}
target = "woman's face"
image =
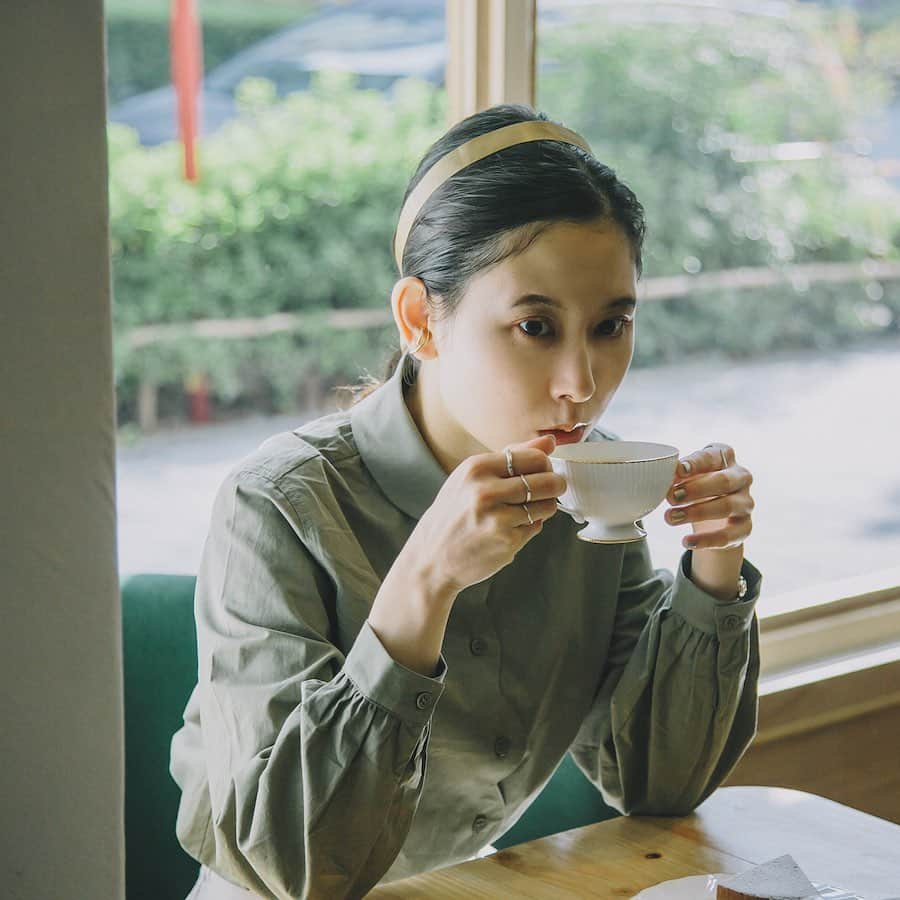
{"points": [[511, 365]]}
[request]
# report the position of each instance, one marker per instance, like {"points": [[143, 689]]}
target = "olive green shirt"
{"points": [[312, 764]]}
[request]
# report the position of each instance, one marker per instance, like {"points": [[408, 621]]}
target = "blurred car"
{"points": [[380, 41]]}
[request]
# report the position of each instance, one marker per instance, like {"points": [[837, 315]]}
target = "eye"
{"points": [[611, 328], [537, 322], [618, 325]]}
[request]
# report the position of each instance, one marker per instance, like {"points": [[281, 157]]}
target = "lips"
{"points": [[564, 436]]}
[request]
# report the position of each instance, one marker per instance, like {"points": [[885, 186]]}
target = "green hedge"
{"points": [[294, 212], [298, 200]]}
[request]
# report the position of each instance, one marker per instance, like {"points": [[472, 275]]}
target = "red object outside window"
{"points": [[187, 72]]}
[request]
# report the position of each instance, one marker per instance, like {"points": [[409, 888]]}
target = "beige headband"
{"points": [[471, 152]]}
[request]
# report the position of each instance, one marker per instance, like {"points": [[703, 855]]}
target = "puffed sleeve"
{"points": [[677, 703], [311, 763]]}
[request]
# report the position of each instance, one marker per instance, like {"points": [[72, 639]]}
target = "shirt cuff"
{"points": [[404, 693], [708, 613]]}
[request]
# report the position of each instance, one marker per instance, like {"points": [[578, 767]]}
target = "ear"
{"points": [[409, 304]]}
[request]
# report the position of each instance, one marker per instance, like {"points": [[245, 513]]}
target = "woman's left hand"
{"points": [[716, 498]]}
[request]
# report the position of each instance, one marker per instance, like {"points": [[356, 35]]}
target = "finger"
{"points": [[718, 508], [527, 458], [709, 459], [513, 516], [736, 532], [543, 486], [528, 531], [712, 484]]}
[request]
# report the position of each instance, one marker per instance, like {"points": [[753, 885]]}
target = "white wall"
{"points": [[61, 724]]}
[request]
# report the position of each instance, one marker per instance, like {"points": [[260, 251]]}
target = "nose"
{"points": [[574, 377]]}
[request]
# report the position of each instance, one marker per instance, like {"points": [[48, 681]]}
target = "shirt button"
{"points": [[501, 747], [731, 621], [423, 700], [480, 823], [478, 647]]}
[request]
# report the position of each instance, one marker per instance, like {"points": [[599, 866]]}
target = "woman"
{"points": [[399, 639]]}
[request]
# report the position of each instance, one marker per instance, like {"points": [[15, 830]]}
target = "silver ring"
{"points": [[530, 520], [527, 490], [724, 460], [509, 462]]}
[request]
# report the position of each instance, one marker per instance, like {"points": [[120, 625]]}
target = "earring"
{"points": [[423, 339]]}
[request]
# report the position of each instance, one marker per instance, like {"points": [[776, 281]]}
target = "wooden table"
{"points": [[736, 828]]}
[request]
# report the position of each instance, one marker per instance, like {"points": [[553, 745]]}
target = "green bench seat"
{"points": [[160, 669]]}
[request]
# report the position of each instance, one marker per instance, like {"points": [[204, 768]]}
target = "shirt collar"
{"points": [[392, 447]]}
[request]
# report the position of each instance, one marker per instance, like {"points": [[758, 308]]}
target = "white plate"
{"points": [[703, 887], [694, 887]]}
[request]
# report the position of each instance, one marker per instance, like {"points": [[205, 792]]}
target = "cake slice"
{"points": [[777, 879]]}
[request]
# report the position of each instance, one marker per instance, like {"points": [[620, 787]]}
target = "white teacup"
{"points": [[612, 484]]}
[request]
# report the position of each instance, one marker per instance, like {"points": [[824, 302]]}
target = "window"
{"points": [[763, 141], [242, 298]]}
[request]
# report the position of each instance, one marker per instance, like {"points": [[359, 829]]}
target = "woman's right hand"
{"points": [[477, 524]]}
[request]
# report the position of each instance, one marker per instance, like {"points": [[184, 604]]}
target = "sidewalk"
{"points": [[819, 431]]}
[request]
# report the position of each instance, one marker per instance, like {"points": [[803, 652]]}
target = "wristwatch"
{"points": [[742, 587]]}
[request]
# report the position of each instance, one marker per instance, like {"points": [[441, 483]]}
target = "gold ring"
{"points": [[530, 520], [527, 490], [509, 462]]}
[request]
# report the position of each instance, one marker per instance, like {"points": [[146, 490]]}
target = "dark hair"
{"points": [[496, 207]]}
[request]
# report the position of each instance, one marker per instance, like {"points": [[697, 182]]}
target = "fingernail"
{"points": [[685, 467], [679, 494], [678, 515]]}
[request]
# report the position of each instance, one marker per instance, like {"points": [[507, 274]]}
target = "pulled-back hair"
{"points": [[495, 208]]}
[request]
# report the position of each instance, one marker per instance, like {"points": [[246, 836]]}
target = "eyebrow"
{"points": [[626, 302]]}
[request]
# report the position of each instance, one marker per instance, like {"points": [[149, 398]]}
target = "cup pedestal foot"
{"points": [[602, 533]]}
